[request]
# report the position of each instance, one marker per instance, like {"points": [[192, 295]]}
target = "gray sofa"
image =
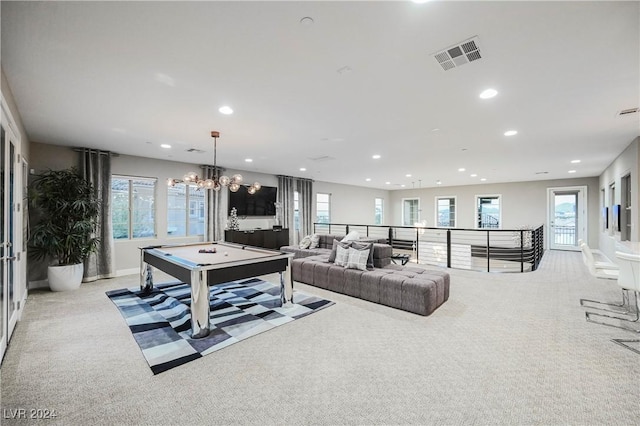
{"points": [[324, 247], [408, 288]]}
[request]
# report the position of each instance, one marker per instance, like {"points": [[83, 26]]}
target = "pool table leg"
{"points": [[199, 305], [146, 275], [286, 285]]}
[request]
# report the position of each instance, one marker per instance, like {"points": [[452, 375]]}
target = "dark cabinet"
{"points": [[266, 238]]}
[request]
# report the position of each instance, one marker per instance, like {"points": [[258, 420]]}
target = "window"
{"points": [[612, 202], [185, 211], [446, 212], [410, 211], [133, 207], [323, 208], [488, 212], [378, 211], [296, 211]]}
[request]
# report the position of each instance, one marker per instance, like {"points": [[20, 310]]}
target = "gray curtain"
{"points": [[285, 200], [95, 166], [214, 229], [305, 200]]}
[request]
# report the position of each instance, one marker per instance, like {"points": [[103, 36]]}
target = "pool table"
{"points": [[205, 264]]}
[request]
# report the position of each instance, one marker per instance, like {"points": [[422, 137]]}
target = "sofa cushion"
{"points": [[351, 236], [305, 243], [365, 246], [342, 256], [336, 243], [315, 241], [357, 258]]}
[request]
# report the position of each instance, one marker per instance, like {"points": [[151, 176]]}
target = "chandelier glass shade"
{"points": [[216, 183]]}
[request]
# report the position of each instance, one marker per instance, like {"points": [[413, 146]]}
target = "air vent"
{"points": [[197, 151], [628, 111], [459, 54]]}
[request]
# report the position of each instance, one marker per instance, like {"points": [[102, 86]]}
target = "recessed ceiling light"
{"points": [[302, 169], [474, 175], [483, 179], [461, 169], [571, 171], [575, 161], [438, 182], [376, 156], [488, 94], [402, 186], [226, 110], [165, 145], [511, 132], [387, 183], [249, 160], [368, 179], [408, 175]]}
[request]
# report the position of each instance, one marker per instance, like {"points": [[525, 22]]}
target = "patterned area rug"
{"points": [[161, 321]]}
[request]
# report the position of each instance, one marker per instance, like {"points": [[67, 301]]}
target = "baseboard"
{"points": [[38, 284], [124, 272]]}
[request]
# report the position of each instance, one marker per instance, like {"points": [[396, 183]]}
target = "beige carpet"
{"points": [[507, 349]]}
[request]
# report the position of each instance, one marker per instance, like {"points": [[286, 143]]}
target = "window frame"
{"points": [[328, 207], [375, 207], [190, 205], [130, 211], [417, 219], [477, 212], [455, 210]]}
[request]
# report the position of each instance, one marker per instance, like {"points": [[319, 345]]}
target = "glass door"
{"points": [[567, 218]]}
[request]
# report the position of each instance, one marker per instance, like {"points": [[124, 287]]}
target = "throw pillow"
{"points": [[353, 235], [315, 241], [306, 241], [342, 256], [357, 259], [336, 243], [365, 246]]}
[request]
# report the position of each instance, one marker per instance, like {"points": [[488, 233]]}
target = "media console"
{"points": [[266, 238]]}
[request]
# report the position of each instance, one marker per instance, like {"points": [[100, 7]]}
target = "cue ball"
{"points": [[226, 254]]}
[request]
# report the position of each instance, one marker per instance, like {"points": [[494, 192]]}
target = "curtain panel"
{"points": [[214, 227], [95, 166], [285, 204], [305, 200]]}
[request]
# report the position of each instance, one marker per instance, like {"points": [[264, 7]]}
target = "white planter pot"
{"points": [[64, 278]]}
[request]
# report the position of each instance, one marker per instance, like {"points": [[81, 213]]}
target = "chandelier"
{"points": [[234, 182]]}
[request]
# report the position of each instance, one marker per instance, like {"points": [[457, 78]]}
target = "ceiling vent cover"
{"points": [[459, 54], [197, 151], [628, 111], [321, 158]]}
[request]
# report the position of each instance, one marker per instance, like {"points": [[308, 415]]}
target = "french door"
{"points": [[10, 291], [567, 218]]}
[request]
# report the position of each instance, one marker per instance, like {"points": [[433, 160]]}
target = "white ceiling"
{"points": [[128, 77]]}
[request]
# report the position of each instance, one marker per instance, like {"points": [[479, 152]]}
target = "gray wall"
{"points": [[353, 204]]}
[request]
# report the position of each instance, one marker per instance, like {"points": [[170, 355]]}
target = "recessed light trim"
{"points": [[438, 182], [483, 179], [303, 169], [571, 171], [473, 175], [407, 175], [511, 133], [575, 161], [376, 156], [248, 160], [387, 183], [488, 93], [165, 146], [462, 169], [368, 179], [226, 110]]}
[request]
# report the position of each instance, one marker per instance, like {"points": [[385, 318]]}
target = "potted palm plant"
{"points": [[65, 215]]}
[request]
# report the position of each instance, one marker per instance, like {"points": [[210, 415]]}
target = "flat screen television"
{"points": [[262, 203]]}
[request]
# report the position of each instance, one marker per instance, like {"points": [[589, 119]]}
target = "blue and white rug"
{"points": [[161, 321]]}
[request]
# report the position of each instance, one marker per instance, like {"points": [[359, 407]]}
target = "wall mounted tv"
{"points": [[262, 203]]}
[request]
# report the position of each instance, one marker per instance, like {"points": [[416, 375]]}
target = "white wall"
{"points": [[522, 203], [626, 163], [353, 204]]}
